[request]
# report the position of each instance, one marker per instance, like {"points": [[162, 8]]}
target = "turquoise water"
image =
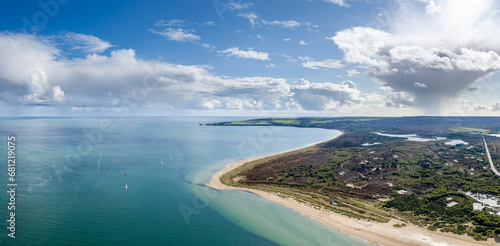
{"points": [[71, 184]]}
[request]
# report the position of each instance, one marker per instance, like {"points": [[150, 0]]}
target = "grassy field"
{"points": [[288, 122], [243, 123], [470, 130]]}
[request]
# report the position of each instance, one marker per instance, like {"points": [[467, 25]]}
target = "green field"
{"points": [[470, 130], [242, 123], [288, 122]]}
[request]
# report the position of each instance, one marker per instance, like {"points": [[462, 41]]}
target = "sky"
{"points": [[277, 58]]}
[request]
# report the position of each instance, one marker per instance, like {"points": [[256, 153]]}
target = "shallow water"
{"points": [[71, 184]]}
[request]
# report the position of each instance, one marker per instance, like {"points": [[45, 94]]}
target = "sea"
{"points": [[71, 173]]}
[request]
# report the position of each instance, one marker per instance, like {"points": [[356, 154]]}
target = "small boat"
{"points": [[162, 163], [170, 157], [125, 174], [126, 187]]}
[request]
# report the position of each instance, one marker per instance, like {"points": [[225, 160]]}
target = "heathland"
{"points": [[429, 172]]}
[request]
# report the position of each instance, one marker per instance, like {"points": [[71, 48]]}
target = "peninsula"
{"points": [[388, 181]]}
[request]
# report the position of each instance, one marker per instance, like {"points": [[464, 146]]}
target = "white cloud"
{"points": [[209, 23], [39, 91], [208, 46], [420, 85], [58, 94], [252, 17], [338, 2], [481, 107], [495, 107], [401, 100], [325, 96], [362, 45], [285, 24], [38, 74], [352, 73], [327, 63], [431, 7], [290, 59], [257, 21], [443, 44], [87, 43], [177, 34], [270, 65], [91, 81], [236, 6], [302, 42], [174, 22], [247, 54], [287, 39]]}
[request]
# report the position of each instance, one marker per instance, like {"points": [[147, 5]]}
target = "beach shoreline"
{"points": [[368, 231]]}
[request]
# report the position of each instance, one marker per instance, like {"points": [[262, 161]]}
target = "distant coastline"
{"points": [[372, 232]]}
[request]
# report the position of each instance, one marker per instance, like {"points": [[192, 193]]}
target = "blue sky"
{"points": [[238, 57]]}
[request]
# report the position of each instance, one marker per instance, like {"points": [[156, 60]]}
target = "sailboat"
{"points": [[126, 187]]}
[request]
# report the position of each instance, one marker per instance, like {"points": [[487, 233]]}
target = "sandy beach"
{"points": [[369, 231]]}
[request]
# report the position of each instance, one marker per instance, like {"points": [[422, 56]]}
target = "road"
{"points": [[489, 159]]}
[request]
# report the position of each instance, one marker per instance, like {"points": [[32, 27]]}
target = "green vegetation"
{"points": [[470, 130], [418, 182], [287, 122], [242, 123], [426, 125]]}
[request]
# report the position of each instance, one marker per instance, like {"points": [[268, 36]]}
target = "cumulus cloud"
{"points": [[327, 63], [39, 74], [247, 54], [481, 107], [443, 44], [495, 107], [39, 91], [325, 96], [42, 78], [177, 34], [57, 94], [401, 100]]}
